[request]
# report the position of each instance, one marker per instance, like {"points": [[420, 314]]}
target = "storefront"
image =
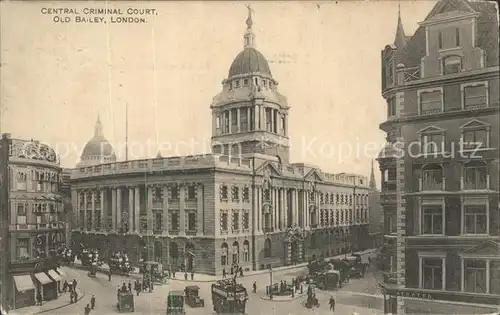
{"points": [[23, 291], [56, 278], [45, 286]]}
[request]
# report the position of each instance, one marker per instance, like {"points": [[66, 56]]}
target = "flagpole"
{"points": [[126, 131]]}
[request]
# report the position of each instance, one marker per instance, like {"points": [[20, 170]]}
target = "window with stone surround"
{"points": [[21, 181], [337, 197], [236, 220], [495, 277], [22, 249], [223, 193], [267, 248], [235, 193], [246, 220], [243, 119], [157, 194], [475, 275], [21, 215], [224, 221], [158, 224], [321, 198], [191, 192], [174, 221], [246, 251], [432, 220], [475, 139], [475, 219], [223, 254], [430, 102], [246, 194], [337, 217], [174, 192], [475, 96], [332, 198], [322, 217], [432, 273], [236, 253], [350, 215], [191, 221]]}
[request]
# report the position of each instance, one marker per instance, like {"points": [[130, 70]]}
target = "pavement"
{"points": [[49, 306], [155, 302]]}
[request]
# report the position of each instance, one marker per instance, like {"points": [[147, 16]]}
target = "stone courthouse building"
{"points": [[244, 203]]}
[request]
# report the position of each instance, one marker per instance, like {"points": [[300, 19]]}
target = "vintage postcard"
{"points": [[266, 157]]}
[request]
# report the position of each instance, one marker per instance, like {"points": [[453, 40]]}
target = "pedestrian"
{"points": [[65, 286], [254, 287], [38, 298], [129, 286], [71, 295], [332, 304], [185, 275], [87, 310], [241, 271], [75, 296], [192, 276], [70, 287], [109, 276], [92, 302], [173, 272], [223, 272], [74, 284]]}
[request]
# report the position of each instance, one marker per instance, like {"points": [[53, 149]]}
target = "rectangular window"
{"points": [[21, 181], [475, 177], [246, 254], [235, 193], [245, 82], [457, 37], [432, 143], [217, 122], [391, 107], [237, 83], [475, 219], [236, 221], [473, 139], [475, 96], [174, 192], [432, 273], [440, 40], [175, 222], [269, 119], [246, 194], [191, 193], [452, 64], [224, 221], [430, 102], [191, 221], [495, 277], [158, 221], [22, 246], [432, 220], [246, 220], [475, 276], [21, 215]]}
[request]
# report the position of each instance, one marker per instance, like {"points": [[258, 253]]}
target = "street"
{"points": [[155, 302]]}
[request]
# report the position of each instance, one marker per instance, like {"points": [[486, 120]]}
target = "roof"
{"points": [[176, 293], [98, 147], [250, 60], [487, 32], [192, 287]]}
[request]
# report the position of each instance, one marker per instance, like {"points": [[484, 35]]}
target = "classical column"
{"points": [[263, 117], [255, 224], [165, 210], [130, 209], [182, 205], [282, 209], [119, 216], [275, 209], [214, 123], [149, 209], [238, 118], [94, 211], [296, 204], [104, 212], [259, 209], [285, 127], [113, 208], [137, 209], [200, 220], [285, 208], [230, 122], [292, 207], [250, 121]]}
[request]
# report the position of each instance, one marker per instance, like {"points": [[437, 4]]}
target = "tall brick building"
{"points": [[245, 203], [440, 173]]}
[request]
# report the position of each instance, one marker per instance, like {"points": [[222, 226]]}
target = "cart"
{"points": [[155, 272], [125, 302], [192, 296], [175, 303]]}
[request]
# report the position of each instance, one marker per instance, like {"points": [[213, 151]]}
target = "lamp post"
{"points": [[270, 282]]}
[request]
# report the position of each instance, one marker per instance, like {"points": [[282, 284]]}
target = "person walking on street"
{"points": [[92, 302], [332, 304], [129, 286], [223, 272], [74, 284], [192, 275], [75, 295], [254, 287], [87, 310], [109, 276]]}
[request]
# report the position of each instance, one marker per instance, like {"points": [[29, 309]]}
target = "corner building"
{"points": [[33, 229], [245, 203], [440, 200]]}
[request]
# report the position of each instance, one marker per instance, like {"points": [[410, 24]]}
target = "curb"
{"points": [[266, 298], [81, 296]]}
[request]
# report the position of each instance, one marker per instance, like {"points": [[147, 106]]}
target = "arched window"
{"points": [[267, 248], [452, 64], [475, 175], [236, 252], [246, 251], [432, 177], [223, 254]]}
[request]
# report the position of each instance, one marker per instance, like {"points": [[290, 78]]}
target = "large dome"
{"points": [[250, 60], [98, 147]]}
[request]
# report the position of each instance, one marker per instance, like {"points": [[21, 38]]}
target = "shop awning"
{"points": [[24, 283], [60, 272], [54, 275], [43, 278]]}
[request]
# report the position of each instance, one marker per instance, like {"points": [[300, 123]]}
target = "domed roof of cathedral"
{"points": [[98, 145], [250, 60]]}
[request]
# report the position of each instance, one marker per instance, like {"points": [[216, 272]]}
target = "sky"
{"points": [[56, 78]]}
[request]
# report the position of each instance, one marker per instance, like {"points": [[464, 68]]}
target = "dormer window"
{"points": [[452, 64], [237, 83], [245, 82]]}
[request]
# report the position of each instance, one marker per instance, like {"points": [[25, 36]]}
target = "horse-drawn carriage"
{"points": [[125, 302], [153, 271], [119, 263]]}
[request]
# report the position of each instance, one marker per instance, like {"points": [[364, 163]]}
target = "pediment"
{"points": [[486, 248], [474, 124], [268, 169], [449, 6], [431, 129], [313, 176]]}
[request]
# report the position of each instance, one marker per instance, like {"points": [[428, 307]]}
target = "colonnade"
{"points": [[126, 208]]}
